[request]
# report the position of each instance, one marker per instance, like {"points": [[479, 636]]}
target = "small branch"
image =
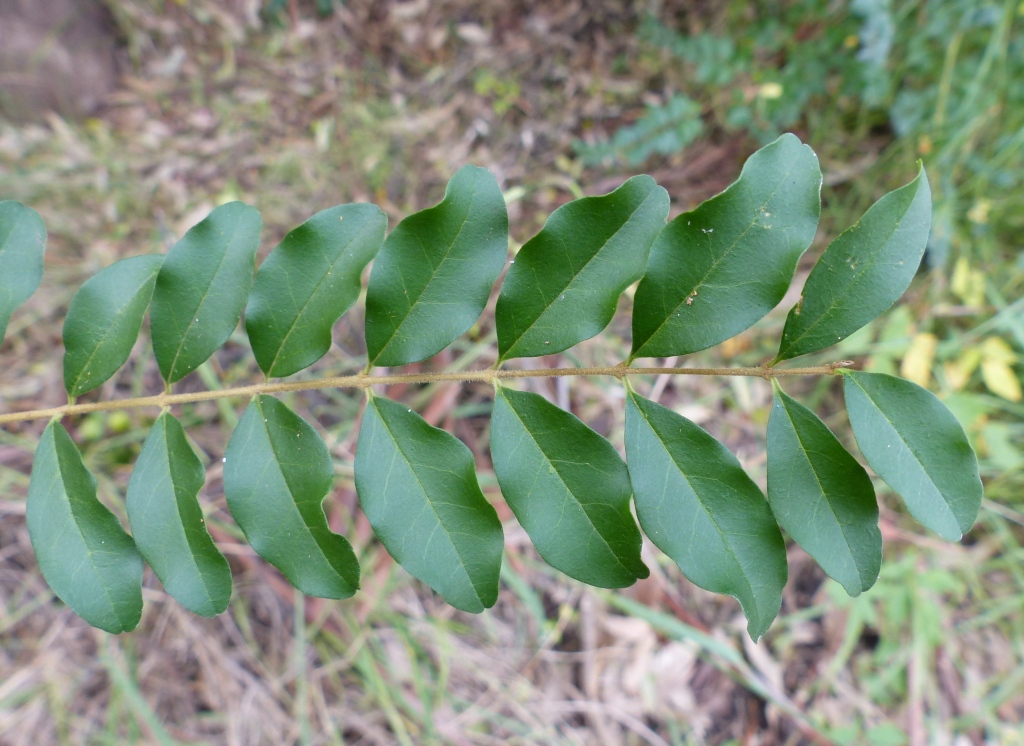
{"points": [[363, 381]]}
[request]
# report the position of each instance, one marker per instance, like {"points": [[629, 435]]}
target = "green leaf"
{"points": [[821, 496], [22, 243], [418, 488], [862, 272], [168, 523], [104, 320], [715, 271], [565, 282], [433, 275], [277, 472], [86, 557], [700, 508], [307, 283], [202, 288], [568, 488], [918, 447]]}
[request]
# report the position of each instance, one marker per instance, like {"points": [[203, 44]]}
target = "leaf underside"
{"points": [[566, 281], [821, 496], [202, 287], [22, 243], [698, 506], [862, 272], [918, 447], [417, 486], [168, 524], [568, 488], [277, 472], [85, 556], [432, 277], [307, 283], [715, 271], [104, 319]]}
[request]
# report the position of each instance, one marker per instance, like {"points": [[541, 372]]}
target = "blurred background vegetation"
{"points": [[159, 110]]}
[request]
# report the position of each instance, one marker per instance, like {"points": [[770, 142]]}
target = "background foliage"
{"points": [[930, 651]]}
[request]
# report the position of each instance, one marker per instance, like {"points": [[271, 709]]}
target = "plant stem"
{"points": [[363, 381]]}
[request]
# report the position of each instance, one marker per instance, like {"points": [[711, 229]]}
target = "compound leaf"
{"points": [[104, 319], [433, 275], [566, 281], [168, 522], [918, 447], [86, 557], [22, 243], [418, 488], [822, 496], [568, 488], [698, 506], [202, 287], [307, 283], [715, 271], [862, 272], [277, 472]]}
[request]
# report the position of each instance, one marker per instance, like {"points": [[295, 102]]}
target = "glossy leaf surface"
{"points": [[862, 272], [918, 447], [566, 281], [568, 488], [22, 243], [418, 488], [167, 521], [821, 496], [277, 472], [715, 271], [433, 275], [307, 283], [202, 287], [86, 557], [104, 319], [700, 508]]}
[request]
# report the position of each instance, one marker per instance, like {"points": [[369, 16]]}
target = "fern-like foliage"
{"points": [[704, 277]]}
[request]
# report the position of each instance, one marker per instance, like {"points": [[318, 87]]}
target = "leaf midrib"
{"points": [[582, 269], [429, 502], [561, 479], [720, 259]]}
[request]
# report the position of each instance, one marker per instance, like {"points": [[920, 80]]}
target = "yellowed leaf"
{"points": [[917, 363], [996, 348], [1000, 379], [958, 372]]}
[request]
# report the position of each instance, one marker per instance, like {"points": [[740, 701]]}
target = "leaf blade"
{"points": [[429, 489], [84, 554], [568, 488], [307, 282], [717, 270], [104, 319], [863, 272], [168, 524], [697, 505], [566, 281], [202, 288], [821, 496], [277, 472], [446, 257], [22, 243], [918, 447]]}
